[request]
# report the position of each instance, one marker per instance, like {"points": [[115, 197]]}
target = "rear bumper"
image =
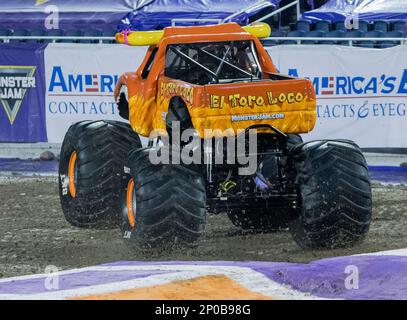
{"points": [[226, 125]]}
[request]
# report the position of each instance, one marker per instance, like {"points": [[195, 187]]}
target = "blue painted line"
{"points": [[28, 166], [384, 174], [393, 175], [384, 168]]}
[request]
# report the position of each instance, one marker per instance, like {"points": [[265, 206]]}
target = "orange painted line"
{"points": [[217, 287]]}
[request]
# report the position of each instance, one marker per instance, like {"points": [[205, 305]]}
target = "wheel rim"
{"points": [[72, 174], [131, 203]]}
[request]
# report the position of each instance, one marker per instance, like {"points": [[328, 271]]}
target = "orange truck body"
{"points": [[288, 104]]}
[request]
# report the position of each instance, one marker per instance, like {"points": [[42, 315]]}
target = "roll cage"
{"points": [[214, 62]]}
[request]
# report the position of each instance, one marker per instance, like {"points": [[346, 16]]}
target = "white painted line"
{"points": [[398, 252], [246, 277]]}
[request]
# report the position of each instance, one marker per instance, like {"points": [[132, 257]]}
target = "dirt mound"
{"points": [[34, 234]]}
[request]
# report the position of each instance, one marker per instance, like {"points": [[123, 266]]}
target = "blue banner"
{"points": [[22, 93]]}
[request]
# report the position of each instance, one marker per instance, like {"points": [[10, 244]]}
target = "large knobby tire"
{"points": [[335, 192], [164, 204], [91, 175], [265, 219]]}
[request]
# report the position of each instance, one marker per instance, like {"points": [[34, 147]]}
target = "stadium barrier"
{"points": [[54, 39], [351, 41], [295, 3], [360, 97]]}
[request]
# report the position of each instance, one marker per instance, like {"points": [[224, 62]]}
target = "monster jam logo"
{"points": [[14, 83]]}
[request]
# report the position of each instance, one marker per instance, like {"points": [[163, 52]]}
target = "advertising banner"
{"points": [[361, 93], [80, 80], [22, 93]]}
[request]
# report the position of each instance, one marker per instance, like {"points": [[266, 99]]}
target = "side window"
{"points": [[149, 64], [180, 65], [175, 66]]}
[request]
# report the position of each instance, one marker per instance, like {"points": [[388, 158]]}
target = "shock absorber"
{"points": [[208, 152]]}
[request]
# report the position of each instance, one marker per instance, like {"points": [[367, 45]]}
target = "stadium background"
{"points": [[76, 64], [359, 74]]}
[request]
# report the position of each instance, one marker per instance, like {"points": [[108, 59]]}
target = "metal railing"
{"points": [[174, 21], [52, 39], [351, 41], [254, 5], [298, 40], [251, 7], [294, 3]]}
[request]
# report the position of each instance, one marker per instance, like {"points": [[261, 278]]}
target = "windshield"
{"points": [[218, 62]]}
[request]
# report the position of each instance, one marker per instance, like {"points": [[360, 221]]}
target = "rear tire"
{"points": [[163, 205], [91, 172], [335, 191]]}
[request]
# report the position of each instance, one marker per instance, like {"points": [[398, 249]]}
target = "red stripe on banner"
{"points": [[92, 90], [81, 95], [327, 92]]}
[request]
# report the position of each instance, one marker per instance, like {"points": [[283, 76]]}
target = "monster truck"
{"points": [[217, 79]]}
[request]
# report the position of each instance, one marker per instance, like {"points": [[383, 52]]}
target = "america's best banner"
{"points": [[80, 80], [361, 93]]}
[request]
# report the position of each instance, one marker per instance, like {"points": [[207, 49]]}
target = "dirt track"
{"points": [[34, 234]]}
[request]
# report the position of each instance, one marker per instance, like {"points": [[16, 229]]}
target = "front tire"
{"points": [[163, 204], [91, 172], [335, 192]]}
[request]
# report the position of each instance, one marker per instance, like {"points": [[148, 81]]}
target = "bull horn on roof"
{"points": [[147, 38]]}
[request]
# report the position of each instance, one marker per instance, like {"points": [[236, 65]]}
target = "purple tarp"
{"points": [[366, 10], [157, 14], [107, 14], [73, 14]]}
